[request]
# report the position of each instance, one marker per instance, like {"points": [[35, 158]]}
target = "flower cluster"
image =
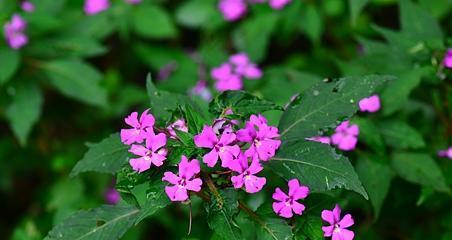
{"points": [[201, 90], [233, 10], [228, 76], [93, 7], [14, 32], [27, 6]]}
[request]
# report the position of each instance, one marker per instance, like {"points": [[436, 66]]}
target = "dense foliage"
{"points": [[226, 119]]}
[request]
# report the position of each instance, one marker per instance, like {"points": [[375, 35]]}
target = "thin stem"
{"points": [[189, 224]]}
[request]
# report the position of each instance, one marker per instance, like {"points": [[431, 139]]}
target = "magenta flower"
{"points": [[244, 67], [27, 6], [261, 138], [153, 153], [370, 104], [223, 148], [447, 61], [232, 9], [133, 1], [201, 90], [180, 125], [446, 153], [247, 172], [183, 182], [112, 196], [93, 7], [14, 32], [278, 4], [320, 139], [338, 228], [225, 78], [286, 205], [139, 129], [346, 136]]}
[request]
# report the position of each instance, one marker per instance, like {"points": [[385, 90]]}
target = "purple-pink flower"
{"points": [[370, 104], [93, 7], [201, 90], [447, 61], [446, 153], [247, 174], [261, 137], [320, 139], [179, 125], [338, 227], [286, 204], [346, 136], [278, 4], [14, 32], [244, 67], [140, 128], [112, 196], [27, 6], [232, 9], [183, 182], [153, 153], [224, 147]]}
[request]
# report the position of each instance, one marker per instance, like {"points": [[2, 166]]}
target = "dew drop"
{"points": [[352, 101]]}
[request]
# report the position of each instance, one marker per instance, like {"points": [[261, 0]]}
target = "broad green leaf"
{"points": [[376, 177], [155, 198], [107, 156], [400, 135], [241, 103], [421, 169], [196, 13], [316, 165], [153, 22], [105, 222], [312, 23], [25, 109], [76, 79], [324, 104], [417, 22], [269, 226], [311, 227], [9, 59], [356, 6], [195, 122], [370, 134], [220, 213], [68, 46]]}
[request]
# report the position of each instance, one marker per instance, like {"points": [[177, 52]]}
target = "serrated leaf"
{"points": [[155, 199], [25, 109], [316, 165], [105, 222], [10, 59], [421, 169], [400, 135], [107, 156], [152, 21], [324, 104]]}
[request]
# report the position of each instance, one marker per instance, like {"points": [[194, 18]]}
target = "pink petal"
{"points": [[176, 193], [254, 184], [233, 82], [353, 130], [194, 185], [337, 213], [247, 134], [298, 208], [279, 195], [232, 9], [222, 72], [157, 159], [237, 181], [239, 59], [155, 142], [139, 150], [345, 234], [278, 4], [328, 216], [129, 136], [139, 164], [370, 104], [255, 167], [346, 221], [147, 120], [226, 138], [348, 143], [171, 178], [282, 210], [327, 230], [253, 72], [187, 169], [132, 120], [211, 158], [206, 138]]}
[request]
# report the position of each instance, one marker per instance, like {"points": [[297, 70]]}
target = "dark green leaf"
{"points": [[312, 228], [370, 134], [9, 59], [155, 199], [220, 214], [196, 13], [269, 226], [400, 135], [356, 6], [152, 21], [417, 22], [312, 23]]}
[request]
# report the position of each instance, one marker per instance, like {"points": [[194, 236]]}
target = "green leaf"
{"points": [[316, 165], [312, 23], [76, 79], [400, 135], [324, 104], [67, 46], [196, 13], [417, 22], [241, 103], [311, 227], [356, 6], [376, 177], [269, 226], [195, 122], [105, 222], [25, 109], [155, 199], [370, 134], [107, 156], [421, 169], [10, 59], [153, 22], [220, 214]]}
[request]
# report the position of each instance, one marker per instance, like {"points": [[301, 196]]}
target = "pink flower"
{"points": [[225, 78], [286, 205], [224, 148], [201, 90], [27, 6], [243, 66], [14, 32], [93, 7], [320, 139], [345, 136], [180, 125], [370, 104], [112, 196], [184, 181], [232, 9], [447, 61], [261, 138], [133, 1], [247, 173], [278, 4], [446, 153], [338, 227], [152, 153], [139, 129]]}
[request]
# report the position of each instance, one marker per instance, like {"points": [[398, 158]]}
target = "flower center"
{"points": [[222, 149], [257, 143], [337, 229]]}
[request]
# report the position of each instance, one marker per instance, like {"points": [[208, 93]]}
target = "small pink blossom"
{"points": [[346, 136], [201, 90], [244, 67], [93, 7], [180, 125], [261, 137], [370, 104], [183, 182], [225, 79], [447, 61], [133, 1], [278, 4], [112, 196], [14, 32], [27, 6], [286, 205], [247, 174], [338, 227], [446, 153], [320, 139], [223, 148], [232, 10], [139, 129], [153, 153]]}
